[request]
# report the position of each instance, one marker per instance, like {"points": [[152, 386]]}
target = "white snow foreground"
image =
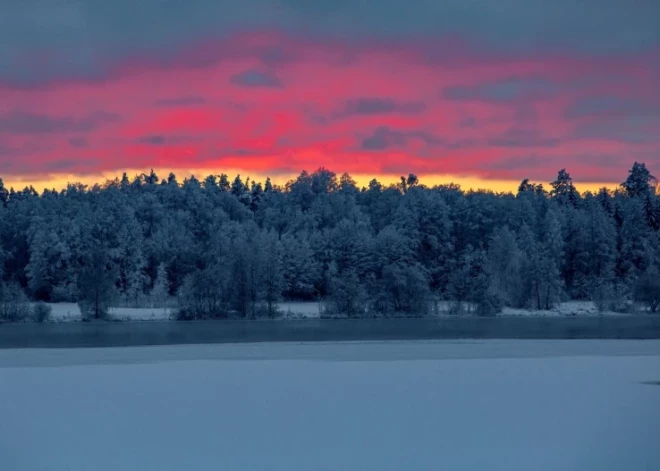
{"points": [[494, 405]]}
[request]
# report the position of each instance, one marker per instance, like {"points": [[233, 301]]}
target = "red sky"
{"points": [[274, 103]]}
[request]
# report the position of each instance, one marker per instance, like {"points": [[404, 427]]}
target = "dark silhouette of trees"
{"points": [[226, 248]]}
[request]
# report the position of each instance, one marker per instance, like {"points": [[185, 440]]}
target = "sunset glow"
{"points": [[277, 100]]}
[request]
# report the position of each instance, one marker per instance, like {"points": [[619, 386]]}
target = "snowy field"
{"points": [[494, 405]]}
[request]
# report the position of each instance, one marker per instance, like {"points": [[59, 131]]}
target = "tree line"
{"points": [[231, 248]]}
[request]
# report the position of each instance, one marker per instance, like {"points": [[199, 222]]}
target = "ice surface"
{"points": [[493, 405]]}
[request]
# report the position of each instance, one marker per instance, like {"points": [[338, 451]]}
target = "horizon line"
{"points": [[60, 181]]}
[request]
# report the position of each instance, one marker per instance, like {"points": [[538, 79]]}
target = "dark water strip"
{"points": [[110, 334]]}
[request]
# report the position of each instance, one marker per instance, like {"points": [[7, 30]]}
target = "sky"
{"points": [[483, 93]]}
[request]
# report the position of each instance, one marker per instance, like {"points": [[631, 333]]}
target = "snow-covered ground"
{"points": [[305, 310], [468, 405], [570, 308], [63, 312], [141, 314]]}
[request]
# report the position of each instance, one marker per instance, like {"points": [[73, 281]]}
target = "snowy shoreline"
{"points": [[70, 312]]}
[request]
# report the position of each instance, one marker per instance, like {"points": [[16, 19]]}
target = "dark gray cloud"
{"points": [[155, 140], [375, 106], [462, 143], [598, 106], [61, 165], [188, 100], [468, 122], [161, 140], [255, 78], [517, 163], [8, 151], [522, 137], [385, 138], [642, 130], [274, 55], [504, 91], [542, 167], [79, 142], [20, 122], [526, 114], [18, 159], [85, 38]]}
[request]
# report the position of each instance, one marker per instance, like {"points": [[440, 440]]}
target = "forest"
{"points": [[222, 248]]}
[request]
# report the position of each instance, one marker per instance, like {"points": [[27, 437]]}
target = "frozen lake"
{"points": [[428, 405]]}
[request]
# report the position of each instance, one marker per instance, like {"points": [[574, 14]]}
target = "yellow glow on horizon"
{"points": [[60, 181]]}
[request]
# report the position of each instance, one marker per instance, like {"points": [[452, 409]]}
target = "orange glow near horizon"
{"points": [[60, 181]]}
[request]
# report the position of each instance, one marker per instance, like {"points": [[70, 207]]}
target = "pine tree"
{"points": [[39, 282], [152, 178], [223, 183], [160, 293], [210, 183], [531, 268], [604, 198], [268, 187], [503, 264], [136, 280], [4, 194], [95, 283], [256, 196], [640, 182], [563, 190], [552, 251], [601, 247], [240, 191], [346, 293], [271, 271], [651, 211], [301, 271], [635, 251], [125, 182]]}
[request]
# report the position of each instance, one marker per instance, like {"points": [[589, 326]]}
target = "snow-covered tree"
{"points": [[503, 263], [640, 182]]}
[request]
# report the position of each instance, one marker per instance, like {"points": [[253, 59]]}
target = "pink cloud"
{"points": [[269, 102]]}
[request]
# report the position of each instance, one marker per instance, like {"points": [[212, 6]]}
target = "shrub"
{"points": [[205, 294], [608, 297], [347, 295], [405, 291], [647, 290], [14, 305], [41, 312], [490, 305], [93, 310]]}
